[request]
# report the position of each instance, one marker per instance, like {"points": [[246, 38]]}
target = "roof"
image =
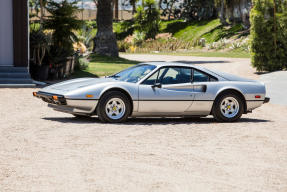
{"points": [[161, 64]]}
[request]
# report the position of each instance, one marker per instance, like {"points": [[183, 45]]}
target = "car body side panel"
{"points": [[168, 99], [203, 101]]}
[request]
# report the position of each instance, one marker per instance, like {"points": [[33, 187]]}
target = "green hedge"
{"points": [[269, 35]]}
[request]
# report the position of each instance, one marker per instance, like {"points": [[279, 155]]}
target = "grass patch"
{"points": [[103, 66], [221, 32], [195, 30], [172, 26]]}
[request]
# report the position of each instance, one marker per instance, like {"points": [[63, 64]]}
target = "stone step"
{"points": [[14, 70], [15, 81], [17, 85], [14, 75]]}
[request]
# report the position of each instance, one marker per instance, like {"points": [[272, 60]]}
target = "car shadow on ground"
{"points": [[150, 121]]}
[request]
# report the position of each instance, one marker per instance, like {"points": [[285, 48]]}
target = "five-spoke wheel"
{"points": [[228, 107], [114, 107]]}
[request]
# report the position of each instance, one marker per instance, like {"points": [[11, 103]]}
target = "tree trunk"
{"points": [[159, 4], [134, 7], [245, 8], [222, 13], [41, 12], [105, 42], [116, 3]]}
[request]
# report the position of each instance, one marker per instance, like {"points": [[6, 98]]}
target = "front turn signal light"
{"points": [[89, 96], [55, 98], [35, 94]]}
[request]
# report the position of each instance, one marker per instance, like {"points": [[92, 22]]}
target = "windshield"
{"points": [[134, 74]]}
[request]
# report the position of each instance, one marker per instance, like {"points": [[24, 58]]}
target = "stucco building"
{"points": [[14, 42]]}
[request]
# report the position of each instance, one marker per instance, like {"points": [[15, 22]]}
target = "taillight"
{"points": [[257, 96]]}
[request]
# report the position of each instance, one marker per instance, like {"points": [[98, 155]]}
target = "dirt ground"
{"points": [[44, 150]]}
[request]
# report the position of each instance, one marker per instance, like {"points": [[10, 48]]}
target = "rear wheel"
{"points": [[114, 107], [228, 107]]}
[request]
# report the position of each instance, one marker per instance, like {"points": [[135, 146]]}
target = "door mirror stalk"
{"points": [[157, 85]]}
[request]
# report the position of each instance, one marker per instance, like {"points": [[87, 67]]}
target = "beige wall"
{"points": [[92, 15]]}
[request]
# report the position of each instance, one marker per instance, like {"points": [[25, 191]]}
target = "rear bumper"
{"points": [[266, 100]]}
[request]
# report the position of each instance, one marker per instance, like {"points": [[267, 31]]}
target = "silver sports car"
{"points": [[157, 89]]}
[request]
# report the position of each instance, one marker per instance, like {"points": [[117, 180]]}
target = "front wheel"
{"points": [[114, 107], [228, 108]]}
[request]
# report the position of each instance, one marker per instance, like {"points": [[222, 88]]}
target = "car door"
{"points": [[203, 84], [168, 90]]}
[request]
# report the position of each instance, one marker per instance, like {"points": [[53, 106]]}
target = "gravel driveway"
{"points": [[44, 150]]}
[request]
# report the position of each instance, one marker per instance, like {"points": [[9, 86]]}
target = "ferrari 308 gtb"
{"points": [[157, 89]]}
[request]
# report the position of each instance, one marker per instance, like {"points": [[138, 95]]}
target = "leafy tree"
{"points": [[269, 35], [63, 23], [147, 19], [131, 3], [170, 9], [105, 41], [188, 9], [198, 9]]}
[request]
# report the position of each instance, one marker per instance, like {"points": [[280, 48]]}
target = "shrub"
{"points": [[123, 29], [269, 35], [83, 63], [123, 46], [221, 44], [147, 19], [138, 38]]}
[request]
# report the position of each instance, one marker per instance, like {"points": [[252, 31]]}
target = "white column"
{"points": [[6, 33]]}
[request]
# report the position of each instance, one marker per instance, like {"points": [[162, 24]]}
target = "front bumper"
{"points": [[49, 98], [66, 105], [266, 100]]}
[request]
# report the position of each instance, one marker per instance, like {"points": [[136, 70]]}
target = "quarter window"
{"points": [[201, 77]]}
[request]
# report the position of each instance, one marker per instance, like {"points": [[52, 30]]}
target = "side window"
{"points": [[175, 75], [170, 75], [201, 77], [151, 80]]}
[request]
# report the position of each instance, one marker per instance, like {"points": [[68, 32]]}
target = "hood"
{"points": [[70, 85]]}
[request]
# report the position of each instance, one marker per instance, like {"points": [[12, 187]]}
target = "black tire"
{"points": [[216, 110], [101, 108]]}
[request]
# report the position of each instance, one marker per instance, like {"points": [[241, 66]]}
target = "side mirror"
{"points": [[157, 85]]}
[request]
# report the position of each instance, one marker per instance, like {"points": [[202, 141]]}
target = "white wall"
{"points": [[6, 33]]}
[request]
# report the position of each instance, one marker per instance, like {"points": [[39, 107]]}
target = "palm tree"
{"points": [[105, 42], [133, 3]]}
